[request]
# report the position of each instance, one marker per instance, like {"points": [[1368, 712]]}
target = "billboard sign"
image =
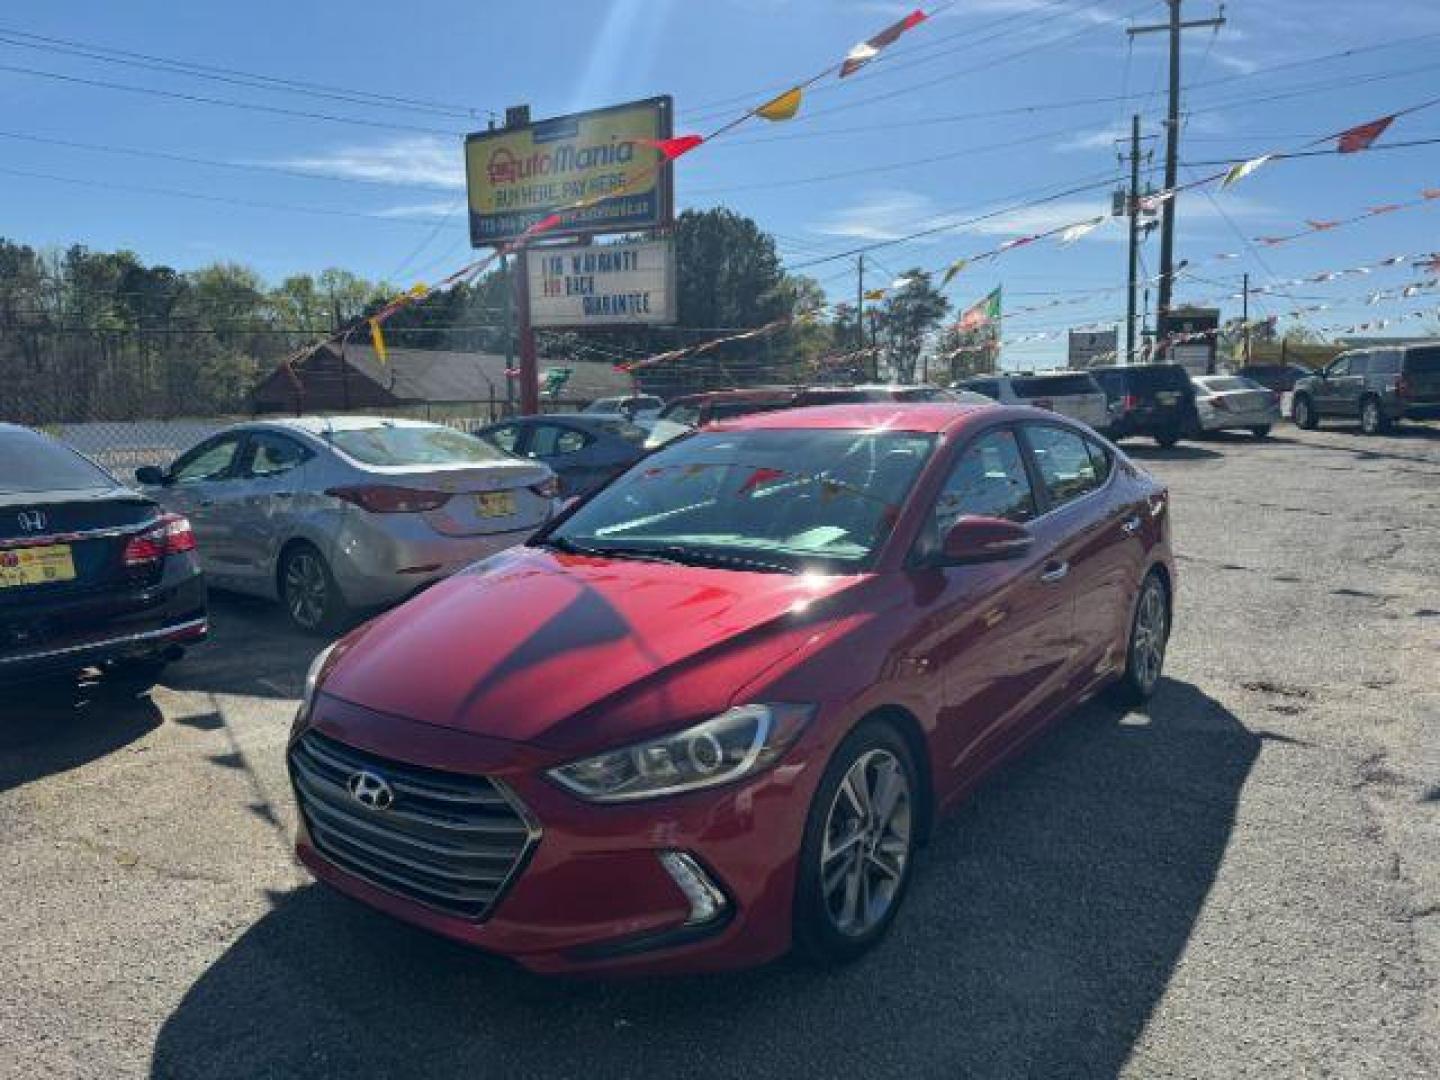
{"points": [[516, 176], [591, 285], [1091, 347]]}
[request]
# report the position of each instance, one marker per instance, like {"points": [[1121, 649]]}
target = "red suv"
{"points": [[713, 710]]}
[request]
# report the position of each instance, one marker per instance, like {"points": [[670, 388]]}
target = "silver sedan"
{"points": [[327, 514], [1234, 403]]}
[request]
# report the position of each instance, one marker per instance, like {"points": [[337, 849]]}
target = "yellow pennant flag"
{"points": [[418, 290], [1244, 169], [781, 108], [953, 269], [377, 338], [875, 294]]}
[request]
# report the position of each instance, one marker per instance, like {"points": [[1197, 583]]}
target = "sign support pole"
{"points": [[529, 368]]}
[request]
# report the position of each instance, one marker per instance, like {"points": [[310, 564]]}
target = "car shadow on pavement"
{"points": [[253, 650], [1043, 927], [1178, 452], [53, 727]]}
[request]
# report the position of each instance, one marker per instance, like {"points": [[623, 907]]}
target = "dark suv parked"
{"points": [[1376, 386], [1149, 399]]}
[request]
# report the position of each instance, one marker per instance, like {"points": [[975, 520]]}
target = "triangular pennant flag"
{"points": [[1017, 242], [953, 269], [377, 339], [545, 224], [901, 282], [1388, 208], [1075, 232], [1321, 226], [1271, 241], [781, 108], [1244, 169], [1430, 193], [1360, 138], [1154, 200], [866, 51], [1394, 260], [875, 294], [670, 149], [1228, 255]]}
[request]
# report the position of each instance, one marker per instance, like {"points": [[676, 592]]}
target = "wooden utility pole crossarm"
{"points": [[1172, 136]]}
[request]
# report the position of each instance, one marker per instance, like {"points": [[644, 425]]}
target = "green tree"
{"points": [[907, 316]]}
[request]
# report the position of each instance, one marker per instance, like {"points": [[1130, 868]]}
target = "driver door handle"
{"points": [[1054, 571]]}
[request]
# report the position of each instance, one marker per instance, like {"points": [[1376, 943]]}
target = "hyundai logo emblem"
{"points": [[31, 520], [370, 790]]}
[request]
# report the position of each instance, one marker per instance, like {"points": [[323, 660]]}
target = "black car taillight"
{"points": [[389, 499], [171, 535]]}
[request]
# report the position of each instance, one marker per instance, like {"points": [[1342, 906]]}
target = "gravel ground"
{"points": [[1244, 880]]}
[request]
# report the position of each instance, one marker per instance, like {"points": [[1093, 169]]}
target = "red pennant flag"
{"points": [[543, 225], [1321, 226], [1430, 193], [1271, 241], [1360, 138], [866, 51], [670, 149], [1388, 208]]}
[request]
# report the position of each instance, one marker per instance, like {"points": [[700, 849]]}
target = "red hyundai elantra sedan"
{"points": [[712, 711]]}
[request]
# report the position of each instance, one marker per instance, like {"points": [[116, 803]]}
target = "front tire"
{"points": [[859, 846], [1304, 414], [1166, 440], [1145, 650], [309, 593], [1372, 418]]}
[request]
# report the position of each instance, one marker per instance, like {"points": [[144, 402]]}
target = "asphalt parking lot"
{"points": [[1243, 880]]}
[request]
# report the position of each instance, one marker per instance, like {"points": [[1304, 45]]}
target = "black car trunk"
{"points": [[91, 527]]}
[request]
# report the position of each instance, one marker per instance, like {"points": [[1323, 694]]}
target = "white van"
{"points": [[1075, 394]]}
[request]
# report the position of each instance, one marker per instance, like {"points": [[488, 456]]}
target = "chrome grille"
{"points": [[449, 841]]}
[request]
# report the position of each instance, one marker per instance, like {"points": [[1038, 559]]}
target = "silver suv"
{"points": [[1377, 386]]}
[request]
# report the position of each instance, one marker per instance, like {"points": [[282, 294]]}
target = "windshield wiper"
{"points": [[639, 554], [711, 557]]}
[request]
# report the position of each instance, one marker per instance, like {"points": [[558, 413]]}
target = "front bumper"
{"points": [[591, 893]]}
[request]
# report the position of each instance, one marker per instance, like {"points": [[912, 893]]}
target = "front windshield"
{"points": [[772, 500]]}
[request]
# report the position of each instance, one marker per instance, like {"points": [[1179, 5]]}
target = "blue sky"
{"points": [[912, 142]]}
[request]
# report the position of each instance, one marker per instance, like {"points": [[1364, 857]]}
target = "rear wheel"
{"points": [[1149, 635], [1260, 431], [309, 593], [1372, 418], [1304, 414], [859, 844], [1167, 439]]}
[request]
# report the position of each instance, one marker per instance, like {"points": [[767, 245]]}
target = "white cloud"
{"points": [[883, 216], [1101, 139], [421, 210], [423, 160], [892, 214]]}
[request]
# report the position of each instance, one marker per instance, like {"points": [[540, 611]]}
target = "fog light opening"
{"points": [[707, 902]]}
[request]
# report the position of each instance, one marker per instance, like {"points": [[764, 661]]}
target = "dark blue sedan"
{"points": [[584, 449]]}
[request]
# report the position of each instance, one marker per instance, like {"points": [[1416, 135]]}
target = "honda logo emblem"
{"points": [[31, 521]]}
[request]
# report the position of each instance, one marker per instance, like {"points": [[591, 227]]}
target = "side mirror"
{"points": [[984, 539], [152, 475]]}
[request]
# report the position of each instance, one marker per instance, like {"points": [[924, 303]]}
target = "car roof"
{"points": [[319, 425], [926, 416]]}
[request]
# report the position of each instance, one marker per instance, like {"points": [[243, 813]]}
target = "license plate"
{"points": [[36, 566], [493, 504]]}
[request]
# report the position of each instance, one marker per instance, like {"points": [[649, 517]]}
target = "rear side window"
{"points": [[386, 444], [989, 480], [1385, 363], [1053, 386], [271, 455], [1067, 471], [623, 429], [683, 414], [1424, 361], [506, 437], [551, 440], [32, 462]]}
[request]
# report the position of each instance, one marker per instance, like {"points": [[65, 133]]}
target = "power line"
{"points": [[201, 99], [70, 46]]}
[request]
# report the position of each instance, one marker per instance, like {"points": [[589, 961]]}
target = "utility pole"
{"points": [[860, 303], [1245, 317], [1134, 208], [506, 268], [1172, 138]]}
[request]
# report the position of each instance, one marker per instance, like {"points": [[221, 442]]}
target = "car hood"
{"points": [[571, 652]]}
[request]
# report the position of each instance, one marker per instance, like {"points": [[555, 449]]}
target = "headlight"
{"points": [[312, 682], [737, 743]]}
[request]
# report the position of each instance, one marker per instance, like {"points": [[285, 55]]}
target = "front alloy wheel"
{"points": [[1372, 420], [859, 845], [311, 596]]}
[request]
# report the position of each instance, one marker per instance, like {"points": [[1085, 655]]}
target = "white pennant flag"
{"points": [[1244, 169], [1075, 232]]}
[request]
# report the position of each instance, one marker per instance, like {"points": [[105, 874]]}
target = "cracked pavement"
{"points": [[1243, 880]]}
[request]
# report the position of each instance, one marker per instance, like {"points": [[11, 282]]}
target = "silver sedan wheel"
{"points": [[307, 589], [867, 843], [1370, 416], [1147, 644]]}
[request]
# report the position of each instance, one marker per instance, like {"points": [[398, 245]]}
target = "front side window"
{"points": [[779, 500], [1063, 460], [211, 461], [393, 444], [683, 414], [989, 480], [551, 440], [1339, 367], [506, 437]]}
